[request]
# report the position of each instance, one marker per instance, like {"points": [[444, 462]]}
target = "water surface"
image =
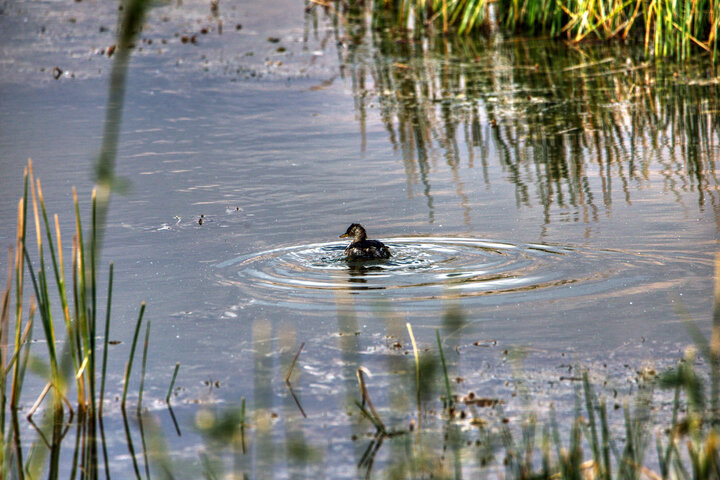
{"points": [[556, 198]]}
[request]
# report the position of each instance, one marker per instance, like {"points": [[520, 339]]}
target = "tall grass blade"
{"points": [[43, 300], [106, 337], [372, 415], [417, 369], [80, 279], [19, 277], [172, 383], [4, 343], [130, 24], [130, 445], [101, 401], [292, 364], [590, 407], [92, 320], [58, 269], [242, 423], [128, 366], [449, 402], [144, 364]]}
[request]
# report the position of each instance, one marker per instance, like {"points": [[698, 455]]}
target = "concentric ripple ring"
{"points": [[423, 269]]}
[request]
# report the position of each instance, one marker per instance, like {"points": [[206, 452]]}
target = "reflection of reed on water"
{"points": [[568, 125]]}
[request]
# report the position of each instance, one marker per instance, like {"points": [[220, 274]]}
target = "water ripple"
{"points": [[423, 269]]}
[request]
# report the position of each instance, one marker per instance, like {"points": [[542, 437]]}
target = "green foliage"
{"points": [[667, 28], [78, 362], [685, 378], [428, 377]]}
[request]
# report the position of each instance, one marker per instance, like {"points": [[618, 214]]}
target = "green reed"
{"points": [[78, 360], [172, 383], [448, 402]]}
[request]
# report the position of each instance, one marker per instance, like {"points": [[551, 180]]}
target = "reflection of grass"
{"points": [[569, 127], [665, 28]]}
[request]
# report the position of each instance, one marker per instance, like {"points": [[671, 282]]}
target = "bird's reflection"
{"points": [[357, 272]]}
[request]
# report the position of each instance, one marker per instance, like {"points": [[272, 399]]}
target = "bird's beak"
{"points": [[344, 235]]}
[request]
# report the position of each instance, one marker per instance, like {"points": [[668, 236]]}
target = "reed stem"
{"points": [[128, 366], [172, 383]]}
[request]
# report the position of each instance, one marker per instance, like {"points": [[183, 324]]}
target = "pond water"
{"points": [[537, 195]]}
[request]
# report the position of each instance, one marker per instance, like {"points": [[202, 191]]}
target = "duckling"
{"points": [[361, 248]]}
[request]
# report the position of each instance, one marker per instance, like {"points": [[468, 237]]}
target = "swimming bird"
{"points": [[361, 248]]}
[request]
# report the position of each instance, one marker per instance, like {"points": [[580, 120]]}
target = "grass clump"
{"points": [[76, 308], [587, 445], [77, 363], [462, 435], [666, 28]]}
